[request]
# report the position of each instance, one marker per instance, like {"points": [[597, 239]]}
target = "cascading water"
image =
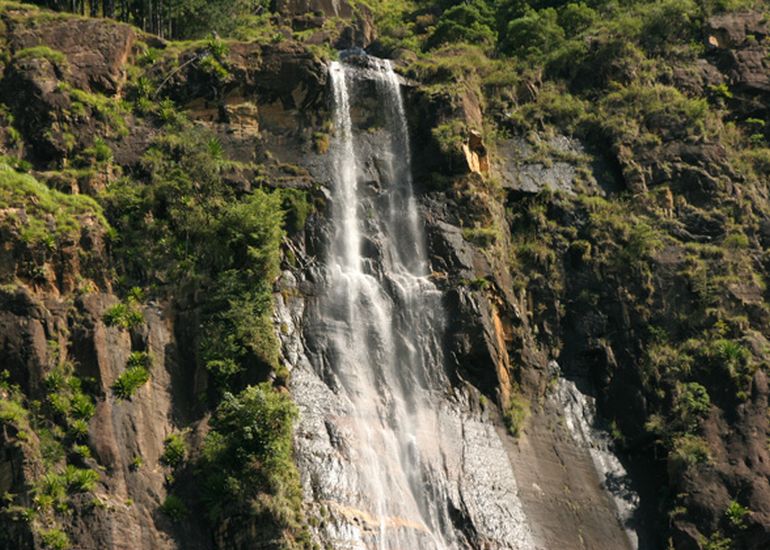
{"points": [[390, 453]]}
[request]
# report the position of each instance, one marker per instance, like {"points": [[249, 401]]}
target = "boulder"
{"points": [[96, 50]]}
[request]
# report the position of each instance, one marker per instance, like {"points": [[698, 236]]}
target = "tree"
{"points": [[472, 22], [536, 33]]}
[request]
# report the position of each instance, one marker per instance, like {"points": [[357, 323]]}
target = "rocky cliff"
{"points": [[598, 228]]}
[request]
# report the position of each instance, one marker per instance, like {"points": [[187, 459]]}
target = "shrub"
{"points": [[174, 508], [79, 480], [717, 541], [736, 515], [98, 153], [471, 22], [449, 136], [249, 451], [129, 381], [666, 21], [687, 451], [78, 429], [124, 315], [732, 358], [55, 539], [83, 451], [534, 35], [82, 406], [516, 414], [297, 208], [174, 452], [574, 18], [12, 412], [139, 359], [691, 404]]}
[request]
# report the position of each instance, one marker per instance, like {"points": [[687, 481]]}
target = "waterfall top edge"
{"points": [[359, 65], [357, 57]]}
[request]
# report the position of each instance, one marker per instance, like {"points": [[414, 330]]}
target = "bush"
{"points": [[471, 22], [55, 539], [139, 359], [174, 452], [691, 404], [574, 18], [687, 451], [174, 508], [79, 480], [129, 381], [13, 412], [249, 451], [731, 358], [124, 315], [449, 136], [736, 515], [534, 35], [516, 414]]}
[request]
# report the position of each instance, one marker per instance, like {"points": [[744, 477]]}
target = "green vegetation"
{"points": [[55, 539], [123, 316], [669, 272], [174, 19], [717, 541], [126, 315], [687, 451], [516, 413], [481, 236], [736, 515], [137, 374], [52, 218], [174, 451], [44, 52], [174, 507], [247, 461], [109, 111], [182, 229], [129, 381]]}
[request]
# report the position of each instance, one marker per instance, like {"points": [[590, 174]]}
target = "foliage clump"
{"points": [[516, 413], [50, 217], [248, 458]]}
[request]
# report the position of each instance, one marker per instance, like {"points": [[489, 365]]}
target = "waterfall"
{"points": [[391, 455], [380, 362]]}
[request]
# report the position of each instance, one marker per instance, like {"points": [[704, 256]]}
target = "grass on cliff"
{"points": [[42, 216], [44, 52], [135, 375], [52, 432]]}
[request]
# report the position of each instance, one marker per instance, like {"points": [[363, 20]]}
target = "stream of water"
{"points": [[388, 449]]}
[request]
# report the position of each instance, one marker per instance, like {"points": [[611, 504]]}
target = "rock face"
{"points": [[736, 43], [53, 302], [354, 28], [96, 53], [539, 336]]}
